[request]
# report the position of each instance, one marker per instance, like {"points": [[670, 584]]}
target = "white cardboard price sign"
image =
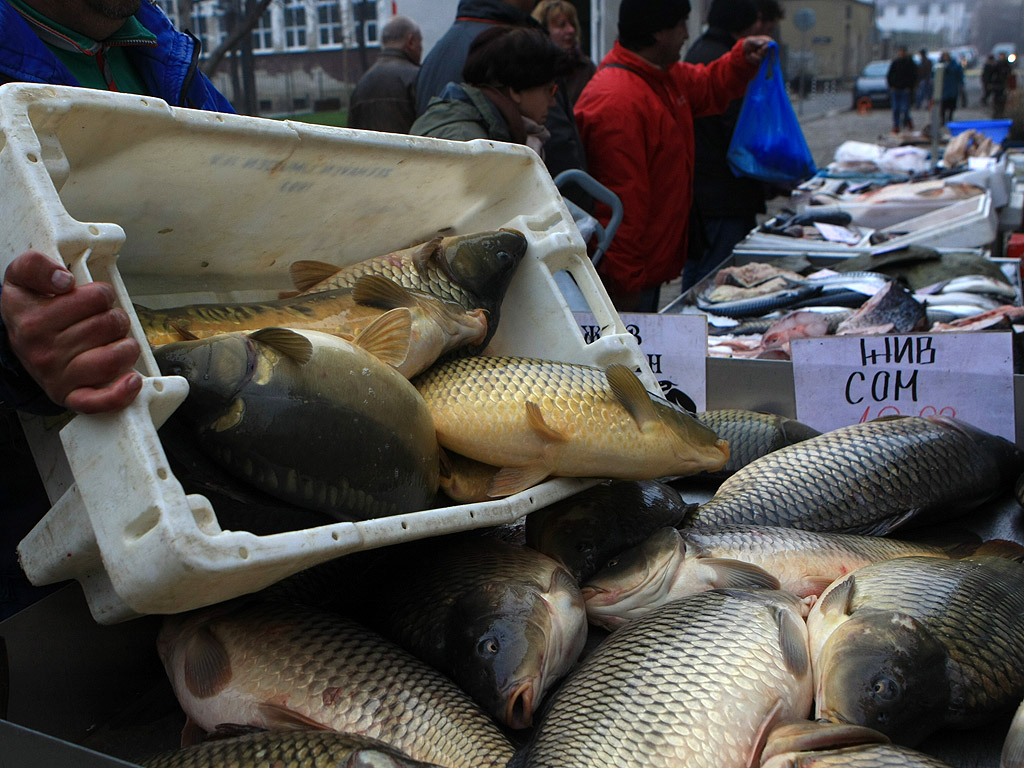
{"points": [[676, 348], [842, 380]]}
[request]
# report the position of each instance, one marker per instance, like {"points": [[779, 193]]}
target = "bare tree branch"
{"points": [[246, 23]]}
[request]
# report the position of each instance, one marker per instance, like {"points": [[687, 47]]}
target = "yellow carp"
{"points": [[536, 418]]}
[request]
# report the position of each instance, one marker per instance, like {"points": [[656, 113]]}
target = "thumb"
{"points": [[38, 273]]}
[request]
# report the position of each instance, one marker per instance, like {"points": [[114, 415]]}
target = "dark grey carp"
{"points": [[911, 645], [751, 434], [868, 478]]}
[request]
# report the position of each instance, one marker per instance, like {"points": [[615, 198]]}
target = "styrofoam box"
{"points": [[175, 206]]}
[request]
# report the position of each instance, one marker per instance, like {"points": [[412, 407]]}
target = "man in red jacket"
{"points": [[636, 119]]}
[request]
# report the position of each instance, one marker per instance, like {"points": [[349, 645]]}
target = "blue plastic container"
{"points": [[994, 129]]}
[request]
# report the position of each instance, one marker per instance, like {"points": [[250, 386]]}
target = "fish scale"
{"points": [[866, 478], [871, 756], [689, 684], [325, 668], [551, 418]]}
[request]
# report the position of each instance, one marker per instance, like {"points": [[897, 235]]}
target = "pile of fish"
{"points": [[355, 396], [628, 626], [756, 310]]}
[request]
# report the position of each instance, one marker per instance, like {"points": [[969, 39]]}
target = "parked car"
{"points": [[871, 83]]}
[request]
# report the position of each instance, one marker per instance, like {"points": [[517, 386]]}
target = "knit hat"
{"points": [[640, 19]]}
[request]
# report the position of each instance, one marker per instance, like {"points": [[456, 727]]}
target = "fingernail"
{"points": [[135, 381], [62, 279]]}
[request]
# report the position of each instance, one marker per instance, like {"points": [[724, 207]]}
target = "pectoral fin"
{"points": [[839, 600], [535, 419], [389, 337], [306, 274], [631, 394], [292, 345], [509, 480], [207, 665], [277, 716], [736, 574], [425, 254]]}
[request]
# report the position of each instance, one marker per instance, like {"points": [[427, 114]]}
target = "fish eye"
{"points": [[612, 562], [488, 647], [885, 688]]}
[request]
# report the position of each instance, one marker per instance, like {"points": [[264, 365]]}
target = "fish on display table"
{"points": [[869, 478], [538, 418], [584, 530], [309, 418], [751, 434], [698, 682], [915, 644], [674, 563], [273, 665], [288, 749]]}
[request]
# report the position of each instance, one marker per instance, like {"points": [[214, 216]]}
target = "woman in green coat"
{"points": [[508, 86]]}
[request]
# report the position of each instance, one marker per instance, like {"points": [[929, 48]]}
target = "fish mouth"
{"points": [[519, 706]]}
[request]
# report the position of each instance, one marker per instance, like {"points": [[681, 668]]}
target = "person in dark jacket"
{"points": [[384, 99], [924, 81], [952, 85], [987, 73], [725, 206], [508, 85], [901, 78], [562, 23], [62, 345]]}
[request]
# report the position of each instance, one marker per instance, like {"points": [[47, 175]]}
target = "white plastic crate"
{"points": [[174, 206]]}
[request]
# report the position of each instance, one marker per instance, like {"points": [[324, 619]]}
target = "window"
{"points": [[294, 24], [262, 40], [924, 9], [901, 10], [365, 14], [329, 23]]}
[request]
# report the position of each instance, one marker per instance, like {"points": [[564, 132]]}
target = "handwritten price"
{"points": [[892, 410]]}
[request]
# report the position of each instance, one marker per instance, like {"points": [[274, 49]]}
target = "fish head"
{"points": [[484, 263], [883, 670], [569, 533], [697, 447], [508, 643], [635, 581], [216, 368]]}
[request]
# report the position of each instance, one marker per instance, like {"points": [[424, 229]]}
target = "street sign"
{"points": [[804, 19]]}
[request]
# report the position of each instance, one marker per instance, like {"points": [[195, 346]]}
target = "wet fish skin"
{"points": [[693, 683], [751, 434], [250, 400], [538, 418], [584, 530], [287, 749], [865, 756], [472, 270], [674, 563], [505, 622], [913, 644], [841, 481], [273, 665], [1012, 755]]}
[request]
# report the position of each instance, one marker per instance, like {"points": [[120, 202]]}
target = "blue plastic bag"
{"points": [[768, 143]]}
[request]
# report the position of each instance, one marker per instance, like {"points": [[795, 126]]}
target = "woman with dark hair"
{"points": [[562, 22], [508, 86]]}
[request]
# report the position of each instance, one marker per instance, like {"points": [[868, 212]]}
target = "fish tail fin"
{"points": [[389, 337]]}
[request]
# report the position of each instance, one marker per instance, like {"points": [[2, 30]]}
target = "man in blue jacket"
{"points": [[64, 346]]}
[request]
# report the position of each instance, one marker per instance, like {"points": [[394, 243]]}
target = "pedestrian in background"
{"points": [[924, 81], [901, 78], [508, 86], [385, 96], [1001, 78], [725, 206], [636, 119], [952, 84], [562, 23], [987, 73]]}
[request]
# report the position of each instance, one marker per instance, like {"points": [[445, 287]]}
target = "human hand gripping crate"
{"points": [[174, 206]]}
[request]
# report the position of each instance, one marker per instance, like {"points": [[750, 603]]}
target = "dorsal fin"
{"points": [[381, 292], [306, 274], [292, 345], [630, 392], [389, 337]]}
